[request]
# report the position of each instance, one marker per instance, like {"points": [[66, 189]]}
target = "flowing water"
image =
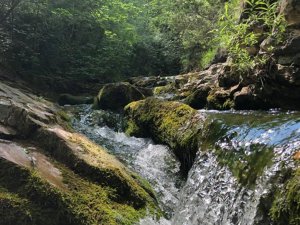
{"points": [[154, 162], [238, 165]]}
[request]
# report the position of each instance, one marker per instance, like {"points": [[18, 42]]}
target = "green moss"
{"points": [[219, 100], [170, 88], [133, 129], [15, 210], [169, 122], [64, 120], [228, 104], [145, 184], [80, 202], [64, 116], [286, 207]]}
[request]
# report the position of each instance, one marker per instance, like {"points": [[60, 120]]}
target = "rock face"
{"points": [[198, 99], [168, 122], [291, 11], [272, 86], [117, 95], [51, 175]]}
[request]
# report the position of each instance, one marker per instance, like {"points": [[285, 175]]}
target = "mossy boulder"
{"points": [[46, 192], [219, 99], [198, 99], [117, 95], [67, 99], [53, 176], [286, 207], [169, 122], [92, 162]]}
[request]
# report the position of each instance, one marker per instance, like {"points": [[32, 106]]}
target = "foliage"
{"points": [[242, 36], [114, 39], [185, 28], [80, 38]]}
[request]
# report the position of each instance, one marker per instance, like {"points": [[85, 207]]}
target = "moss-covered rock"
{"points": [[219, 99], [169, 122], [286, 207], [92, 162], [67, 99], [27, 197], [117, 95], [54, 176], [198, 99]]}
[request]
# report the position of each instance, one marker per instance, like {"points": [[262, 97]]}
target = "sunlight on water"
{"points": [[154, 162], [254, 147]]}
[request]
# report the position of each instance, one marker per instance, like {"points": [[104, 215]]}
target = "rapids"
{"points": [[233, 175]]}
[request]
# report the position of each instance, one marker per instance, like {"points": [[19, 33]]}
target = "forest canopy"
{"points": [[113, 39]]}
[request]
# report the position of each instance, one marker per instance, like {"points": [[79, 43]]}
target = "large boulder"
{"points": [[246, 98], [117, 95], [220, 99], [288, 53], [198, 99], [291, 11], [52, 175], [168, 122]]}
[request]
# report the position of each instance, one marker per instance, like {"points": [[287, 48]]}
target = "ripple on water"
{"points": [[212, 194], [156, 163]]}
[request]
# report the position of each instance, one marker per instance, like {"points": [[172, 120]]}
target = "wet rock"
{"points": [[67, 99], [31, 158], [198, 99], [228, 80], [92, 162], [147, 92], [291, 46], [116, 95], [288, 75], [7, 132], [172, 123], [54, 171], [291, 11], [181, 80], [246, 99], [23, 112], [207, 77], [219, 98]]}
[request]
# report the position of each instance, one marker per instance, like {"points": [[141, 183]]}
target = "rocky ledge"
{"points": [[52, 175]]}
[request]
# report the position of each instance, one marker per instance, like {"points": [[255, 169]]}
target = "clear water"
{"points": [[235, 170], [154, 162]]}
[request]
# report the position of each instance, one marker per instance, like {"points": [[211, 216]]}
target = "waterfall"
{"points": [[233, 174]]}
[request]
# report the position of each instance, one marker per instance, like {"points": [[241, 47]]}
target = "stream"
{"points": [[233, 174]]}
